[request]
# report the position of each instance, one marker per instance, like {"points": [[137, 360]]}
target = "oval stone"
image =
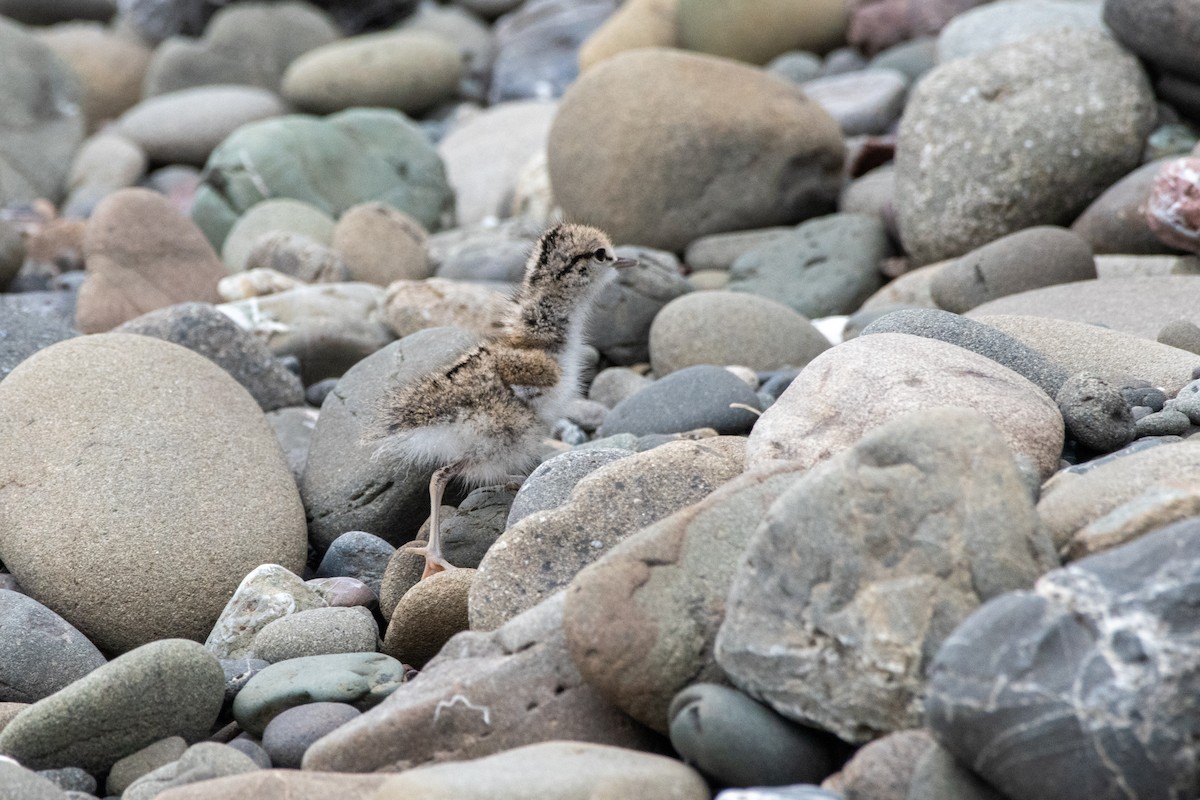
{"points": [[138, 483]]}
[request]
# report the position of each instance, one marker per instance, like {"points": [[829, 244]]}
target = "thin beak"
{"points": [[625, 263]]}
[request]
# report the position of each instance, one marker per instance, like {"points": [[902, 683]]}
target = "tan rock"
{"points": [[637, 23], [110, 66], [142, 254], [427, 616], [294, 255], [381, 244], [758, 30], [412, 305], [280, 784], [1155, 507]]}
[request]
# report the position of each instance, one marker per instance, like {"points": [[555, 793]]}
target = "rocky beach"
{"points": [[875, 485]]}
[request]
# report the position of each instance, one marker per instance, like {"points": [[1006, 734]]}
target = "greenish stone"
{"points": [[333, 163], [361, 679]]}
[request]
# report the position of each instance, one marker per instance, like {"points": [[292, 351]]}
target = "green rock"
{"points": [[360, 679], [332, 163], [171, 687]]}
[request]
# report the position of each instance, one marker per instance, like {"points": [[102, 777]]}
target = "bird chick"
{"points": [[483, 417]]}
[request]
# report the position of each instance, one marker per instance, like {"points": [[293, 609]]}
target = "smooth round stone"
{"points": [[550, 485], [381, 245], [12, 252], [360, 679], [205, 330], [200, 762], [485, 154], [912, 58], [741, 742], [328, 327], [103, 164], [1181, 333], [142, 254], [317, 632], [344, 592], [701, 396], [614, 384], [272, 216], [333, 163], [665, 190], [406, 70], [170, 687], [865, 382], [184, 127], [289, 735], [275, 33], [1115, 222], [1022, 261], [983, 29], [474, 526], [537, 47], [636, 23], [146, 760], [826, 266], [731, 328], [111, 67], [976, 337], [1137, 305], [357, 554], [968, 126], [403, 572], [24, 331], [619, 322], [1168, 422], [760, 30], [43, 122], [40, 652], [207, 513], [1095, 412], [863, 102], [427, 616], [267, 593], [1157, 30]]}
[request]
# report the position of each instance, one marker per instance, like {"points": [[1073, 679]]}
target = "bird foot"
{"points": [[434, 563]]}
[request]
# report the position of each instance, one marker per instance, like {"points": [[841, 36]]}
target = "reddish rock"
{"points": [[878, 24], [1173, 210]]}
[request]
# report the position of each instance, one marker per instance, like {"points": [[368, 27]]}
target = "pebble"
{"points": [[1096, 413], [614, 384], [1168, 422], [381, 244], [1182, 334], [1116, 221], [267, 593], [357, 554], [316, 632], [701, 396], [551, 484], [290, 734], [729, 109], [885, 767], [103, 164], [200, 762], [133, 766], [273, 217], [622, 314], [40, 652], [762, 30], [427, 616], [862, 102]]}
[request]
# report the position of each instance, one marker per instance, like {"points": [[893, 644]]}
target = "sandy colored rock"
{"points": [[759, 30], [381, 244], [280, 784], [427, 616], [142, 254], [435, 302], [637, 23], [110, 66]]}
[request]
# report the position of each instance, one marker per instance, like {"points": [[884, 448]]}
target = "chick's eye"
{"points": [[600, 255]]}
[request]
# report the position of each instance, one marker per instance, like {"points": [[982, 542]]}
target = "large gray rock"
{"points": [[825, 266], [837, 606], [550, 485], [344, 487], [992, 144], [1160, 31], [151, 518], [43, 119], [865, 382], [40, 652], [730, 148], [1091, 674], [170, 687], [484, 693]]}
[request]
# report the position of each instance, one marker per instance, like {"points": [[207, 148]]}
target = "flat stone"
{"points": [[836, 606], [317, 632], [267, 593], [541, 554], [865, 382], [207, 513], [170, 687], [483, 694], [566, 770], [701, 396], [1091, 640], [40, 652], [1157, 506], [280, 784], [361, 679]]}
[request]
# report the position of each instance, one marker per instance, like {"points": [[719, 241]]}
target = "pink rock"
{"points": [[878, 24], [1173, 209]]}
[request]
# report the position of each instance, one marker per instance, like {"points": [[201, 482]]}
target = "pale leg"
{"points": [[433, 551]]}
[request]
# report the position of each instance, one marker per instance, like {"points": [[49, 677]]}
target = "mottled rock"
{"points": [[997, 120], [819, 571], [272, 217], [1095, 412], [427, 616], [1171, 208], [292, 732], [170, 687], [1023, 672], [867, 381], [40, 652], [710, 117], [200, 762], [142, 254], [269, 592], [883, 768], [317, 632], [484, 693], [412, 305], [1021, 261], [542, 553], [731, 328]]}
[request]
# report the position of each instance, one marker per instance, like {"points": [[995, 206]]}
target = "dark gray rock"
{"points": [[1149, 396], [837, 606], [740, 742], [828, 265], [1095, 412], [551, 483], [1090, 677], [25, 329], [1028, 259], [40, 652], [1168, 422], [71, 779], [938, 776], [619, 325], [476, 524], [290, 734], [537, 47], [238, 672], [1161, 31], [357, 554], [200, 327], [983, 339], [344, 488], [690, 398], [1115, 222]]}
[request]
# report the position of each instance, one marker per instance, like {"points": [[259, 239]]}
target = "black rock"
{"points": [[1095, 412], [359, 555]]}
